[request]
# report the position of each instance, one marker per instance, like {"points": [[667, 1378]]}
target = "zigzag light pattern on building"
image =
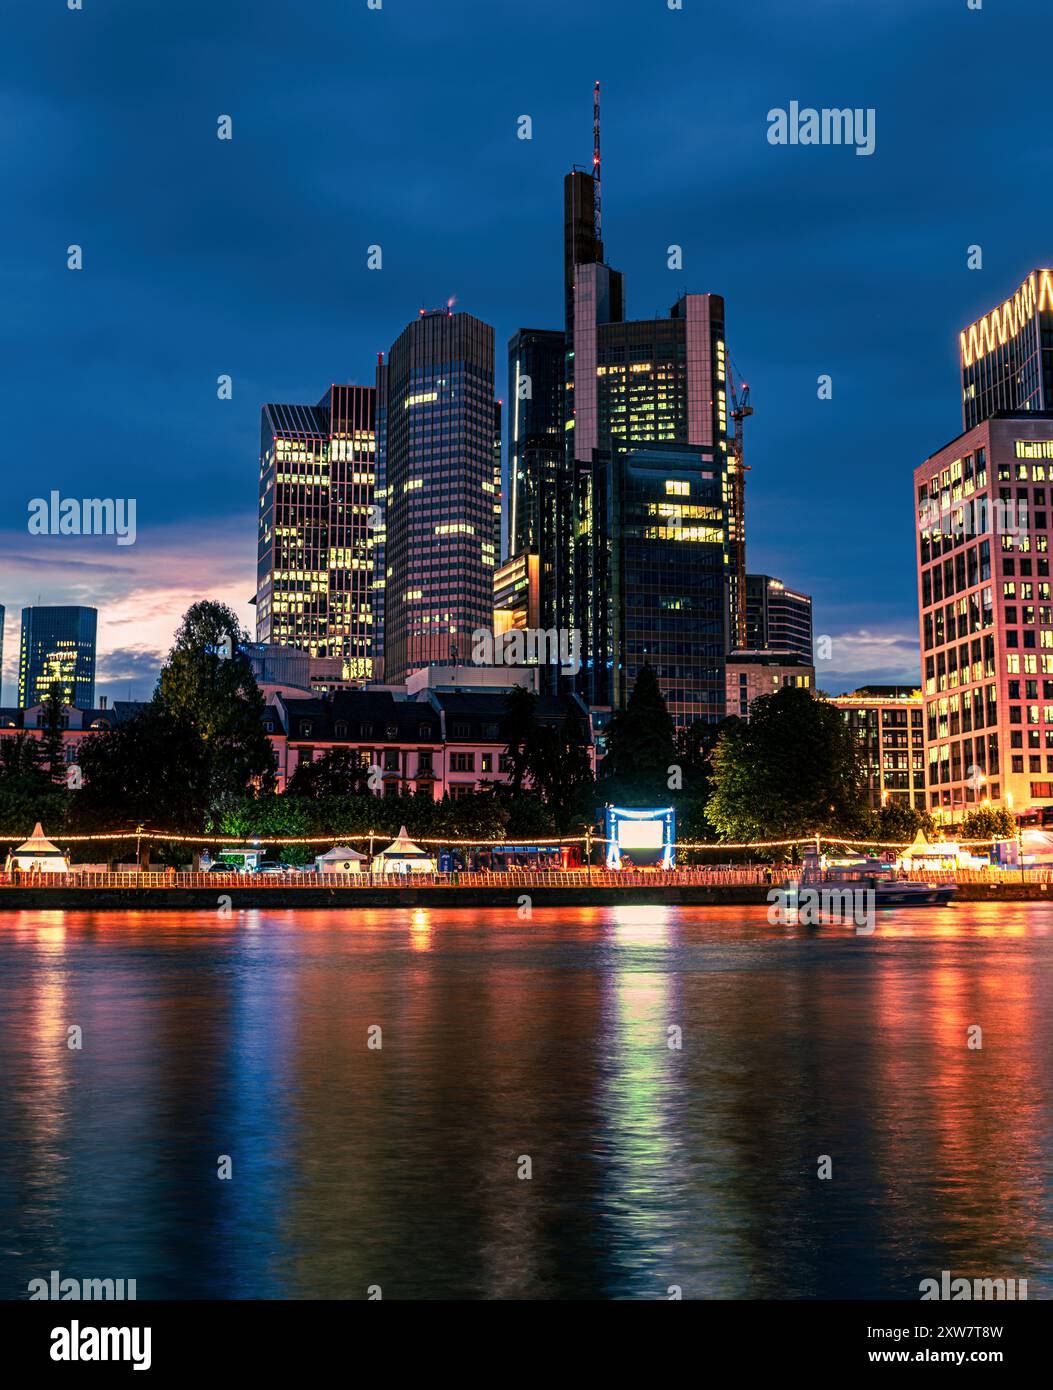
{"points": [[1005, 322]]}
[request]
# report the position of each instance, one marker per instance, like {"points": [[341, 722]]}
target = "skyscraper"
{"points": [[652, 564], [1007, 356], [315, 563], [2, 612], [438, 407], [629, 386], [984, 506], [536, 454], [58, 644], [777, 617]]}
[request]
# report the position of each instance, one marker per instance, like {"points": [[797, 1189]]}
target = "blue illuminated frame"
{"points": [[613, 817]]}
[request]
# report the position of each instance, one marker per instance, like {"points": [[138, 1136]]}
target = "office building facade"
{"points": [[315, 558], [652, 563], [439, 412], [751, 674], [58, 644], [888, 724], [777, 617], [986, 615]]}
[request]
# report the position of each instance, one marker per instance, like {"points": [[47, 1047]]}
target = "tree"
{"points": [[557, 759], [208, 681], [52, 750], [641, 747], [27, 793], [989, 823], [552, 753], [897, 823], [339, 772], [257, 817], [793, 769], [153, 769], [20, 756], [517, 726]]}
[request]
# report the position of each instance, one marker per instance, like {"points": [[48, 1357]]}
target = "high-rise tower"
{"points": [[58, 644], [438, 406], [315, 549]]}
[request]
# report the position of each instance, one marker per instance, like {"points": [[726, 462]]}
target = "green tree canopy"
{"points": [[791, 770], [208, 681], [152, 769], [989, 823], [641, 746]]}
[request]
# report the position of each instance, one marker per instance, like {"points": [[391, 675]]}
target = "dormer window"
{"points": [[367, 730], [424, 731], [392, 731], [340, 729], [305, 728]]}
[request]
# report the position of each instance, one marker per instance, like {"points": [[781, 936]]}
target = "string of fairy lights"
{"points": [[141, 833]]}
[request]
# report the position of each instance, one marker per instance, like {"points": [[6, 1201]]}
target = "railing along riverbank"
{"points": [[728, 876]]}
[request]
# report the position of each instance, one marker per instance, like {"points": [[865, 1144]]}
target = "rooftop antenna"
{"points": [[596, 156]]}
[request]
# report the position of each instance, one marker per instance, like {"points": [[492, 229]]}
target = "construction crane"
{"points": [[740, 409], [597, 229]]}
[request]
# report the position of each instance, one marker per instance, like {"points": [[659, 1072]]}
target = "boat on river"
{"points": [[889, 889]]}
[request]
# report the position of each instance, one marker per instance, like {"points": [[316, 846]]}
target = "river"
{"points": [[593, 1103]]}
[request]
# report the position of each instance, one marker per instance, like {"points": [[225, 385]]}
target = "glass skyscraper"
{"points": [[315, 563], [439, 412], [536, 452], [58, 644], [652, 564]]}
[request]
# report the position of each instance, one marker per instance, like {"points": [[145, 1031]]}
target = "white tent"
{"points": [[340, 860], [402, 856], [38, 855]]}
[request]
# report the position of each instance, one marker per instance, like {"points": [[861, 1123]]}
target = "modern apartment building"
{"points": [[889, 723]]}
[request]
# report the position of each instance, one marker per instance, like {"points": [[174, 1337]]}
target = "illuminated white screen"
{"points": [[640, 834]]}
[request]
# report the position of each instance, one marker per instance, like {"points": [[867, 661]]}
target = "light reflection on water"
{"points": [[652, 1164]]}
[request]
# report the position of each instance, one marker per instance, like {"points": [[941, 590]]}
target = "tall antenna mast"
{"points": [[596, 157]]}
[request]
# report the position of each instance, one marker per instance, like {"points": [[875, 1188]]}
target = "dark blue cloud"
{"points": [[397, 127]]}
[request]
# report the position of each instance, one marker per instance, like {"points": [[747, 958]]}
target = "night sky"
{"points": [[398, 127]]}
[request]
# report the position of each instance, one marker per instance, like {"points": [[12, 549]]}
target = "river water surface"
{"points": [[670, 1079]]}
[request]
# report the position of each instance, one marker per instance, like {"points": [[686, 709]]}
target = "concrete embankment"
{"points": [[308, 899], [315, 899]]}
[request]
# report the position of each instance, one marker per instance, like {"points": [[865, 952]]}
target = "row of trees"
{"points": [[196, 760]]}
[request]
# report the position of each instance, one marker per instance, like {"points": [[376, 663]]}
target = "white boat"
{"points": [[889, 890]]}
